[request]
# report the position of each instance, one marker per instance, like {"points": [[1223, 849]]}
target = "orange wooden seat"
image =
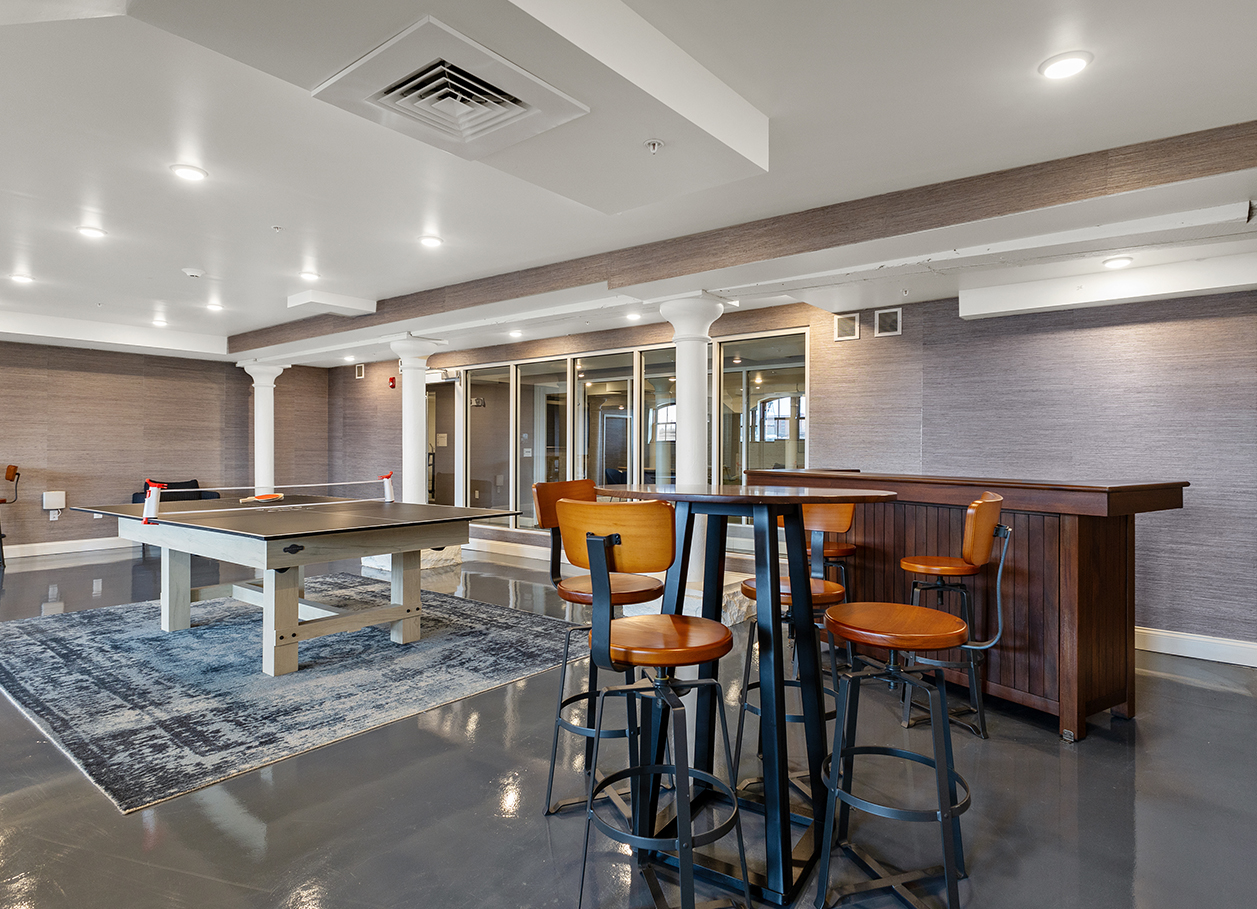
{"points": [[668, 640], [824, 593], [896, 626], [980, 521]]}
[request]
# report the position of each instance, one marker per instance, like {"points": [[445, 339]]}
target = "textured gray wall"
{"points": [[1120, 394]]}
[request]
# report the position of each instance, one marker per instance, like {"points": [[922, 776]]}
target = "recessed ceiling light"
{"points": [[634, 316], [349, 359], [21, 279], [431, 240], [517, 334], [94, 232], [1062, 66], [160, 323], [1118, 262], [215, 307], [309, 275], [737, 359], [188, 172]]}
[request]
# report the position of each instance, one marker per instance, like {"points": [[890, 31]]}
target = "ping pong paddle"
{"points": [[264, 497]]}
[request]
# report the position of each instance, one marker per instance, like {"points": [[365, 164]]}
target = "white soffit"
{"points": [[1221, 274], [439, 86], [16, 12], [28, 328], [626, 43], [314, 302]]}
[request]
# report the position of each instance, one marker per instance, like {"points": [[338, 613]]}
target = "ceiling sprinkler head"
{"points": [[194, 273], [653, 145]]}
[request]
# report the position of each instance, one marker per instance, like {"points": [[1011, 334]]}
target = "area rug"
{"points": [[148, 715]]}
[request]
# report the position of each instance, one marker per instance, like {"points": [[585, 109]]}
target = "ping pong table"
{"points": [[296, 531]]}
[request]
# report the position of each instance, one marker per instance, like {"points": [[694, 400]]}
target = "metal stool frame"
{"points": [[948, 783]]}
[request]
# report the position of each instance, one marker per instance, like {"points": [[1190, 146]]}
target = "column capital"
{"points": [[692, 316], [416, 350], [264, 374]]}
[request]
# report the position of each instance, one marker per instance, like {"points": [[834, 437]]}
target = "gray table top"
{"points": [[296, 515]]}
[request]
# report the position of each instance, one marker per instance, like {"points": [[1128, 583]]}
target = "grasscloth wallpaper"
{"points": [[1152, 391]]}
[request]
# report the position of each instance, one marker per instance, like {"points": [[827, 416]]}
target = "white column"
{"points": [[414, 353], [264, 376], [691, 319]]}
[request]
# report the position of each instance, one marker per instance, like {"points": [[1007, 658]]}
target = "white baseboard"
{"points": [[1197, 646], [62, 547]]}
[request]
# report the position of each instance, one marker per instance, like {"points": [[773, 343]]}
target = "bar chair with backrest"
{"points": [[11, 475], [634, 537], [626, 589], [903, 630], [982, 528]]}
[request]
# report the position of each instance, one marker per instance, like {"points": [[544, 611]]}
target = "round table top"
{"points": [[744, 495]]}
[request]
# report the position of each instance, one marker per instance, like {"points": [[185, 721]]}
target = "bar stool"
{"points": [[824, 593], [900, 628], [982, 526], [819, 520], [11, 475], [625, 589], [606, 537]]}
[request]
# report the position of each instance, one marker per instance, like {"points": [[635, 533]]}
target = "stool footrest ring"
{"points": [[922, 815], [663, 843]]}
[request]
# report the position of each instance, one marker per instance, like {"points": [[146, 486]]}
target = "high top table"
{"points": [[786, 866], [1069, 585]]}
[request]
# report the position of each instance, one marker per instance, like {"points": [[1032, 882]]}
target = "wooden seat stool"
{"points": [[637, 537], [899, 628], [626, 589], [11, 475], [982, 527]]}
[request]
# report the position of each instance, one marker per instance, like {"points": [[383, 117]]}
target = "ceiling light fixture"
{"points": [[215, 307], [430, 240], [309, 275], [94, 232], [1118, 262], [21, 279], [188, 172], [634, 316], [517, 334], [1062, 66], [160, 323], [349, 359]]}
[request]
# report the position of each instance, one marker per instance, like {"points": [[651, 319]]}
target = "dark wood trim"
{"points": [[1019, 495], [1088, 176]]}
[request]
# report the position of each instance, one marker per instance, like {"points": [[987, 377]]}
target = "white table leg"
{"points": [[176, 589], [279, 621], [405, 576]]}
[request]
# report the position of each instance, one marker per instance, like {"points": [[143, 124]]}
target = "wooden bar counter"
{"points": [[1069, 584]]}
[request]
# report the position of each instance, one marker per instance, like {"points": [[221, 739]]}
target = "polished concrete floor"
{"points": [[446, 809]]}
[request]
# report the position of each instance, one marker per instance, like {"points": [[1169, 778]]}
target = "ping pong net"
{"points": [[274, 497]]}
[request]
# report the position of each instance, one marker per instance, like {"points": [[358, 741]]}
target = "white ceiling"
{"points": [[860, 99]]}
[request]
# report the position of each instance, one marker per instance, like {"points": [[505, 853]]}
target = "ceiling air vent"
{"points": [[439, 86], [446, 97]]}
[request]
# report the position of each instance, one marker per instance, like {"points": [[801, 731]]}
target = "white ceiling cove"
{"points": [[762, 109]]}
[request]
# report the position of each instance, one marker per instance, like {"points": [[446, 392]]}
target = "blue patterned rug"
{"points": [[149, 715]]}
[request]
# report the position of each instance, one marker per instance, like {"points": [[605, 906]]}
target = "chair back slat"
{"points": [[545, 495], [647, 533], [834, 518], [980, 520]]}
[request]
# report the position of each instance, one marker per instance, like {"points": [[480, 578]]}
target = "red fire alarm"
{"points": [[392, 381]]}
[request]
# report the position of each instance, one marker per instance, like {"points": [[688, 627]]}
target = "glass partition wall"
{"points": [[612, 418]]}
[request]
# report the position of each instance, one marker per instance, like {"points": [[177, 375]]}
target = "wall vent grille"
{"points": [[847, 326], [887, 322]]}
